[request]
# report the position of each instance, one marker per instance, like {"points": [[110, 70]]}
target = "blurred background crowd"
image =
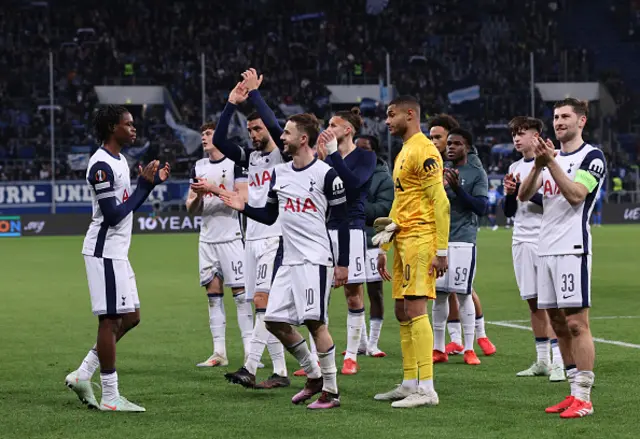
{"points": [[301, 46]]}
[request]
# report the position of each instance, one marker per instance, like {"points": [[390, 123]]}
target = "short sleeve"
{"points": [[481, 186], [101, 179], [428, 166], [592, 170], [240, 174], [334, 188], [272, 195]]}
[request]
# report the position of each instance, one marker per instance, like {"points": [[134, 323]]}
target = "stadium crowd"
{"points": [[301, 46]]}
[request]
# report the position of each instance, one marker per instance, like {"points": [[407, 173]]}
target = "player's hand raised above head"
{"points": [[251, 79], [149, 171], [239, 93], [232, 199]]}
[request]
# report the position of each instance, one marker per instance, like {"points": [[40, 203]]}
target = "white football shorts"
{"points": [[371, 265], [300, 293], [223, 259], [564, 281], [525, 266], [262, 258], [461, 271], [112, 286], [357, 253]]}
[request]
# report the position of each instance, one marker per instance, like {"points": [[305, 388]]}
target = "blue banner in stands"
{"points": [[72, 196]]}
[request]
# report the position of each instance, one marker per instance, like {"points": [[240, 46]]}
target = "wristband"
{"points": [[441, 253], [332, 146]]}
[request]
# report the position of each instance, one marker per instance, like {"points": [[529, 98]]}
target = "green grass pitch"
{"points": [[46, 329]]}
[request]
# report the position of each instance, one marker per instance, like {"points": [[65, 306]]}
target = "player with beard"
{"points": [[263, 247], [301, 194], [570, 180], [355, 167], [439, 128]]}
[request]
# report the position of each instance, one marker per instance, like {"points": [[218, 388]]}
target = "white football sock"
{"points": [[583, 383], [109, 383], [426, 385], [410, 384], [314, 350], [258, 341], [363, 336], [440, 312], [468, 320], [572, 371], [555, 351], [301, 352], [217, 324], [455, 331], [480, 331], [329, 370], [245, 320], [276, 352], [375, 326], [355, 319], [89, 365], [542, 350]]}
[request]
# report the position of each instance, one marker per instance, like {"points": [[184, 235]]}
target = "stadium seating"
{"points": [[436, 46]]}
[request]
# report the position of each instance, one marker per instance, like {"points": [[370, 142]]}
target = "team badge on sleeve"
{"points": [[596, 168], [100, 176], [430, 166], [338, 187]]}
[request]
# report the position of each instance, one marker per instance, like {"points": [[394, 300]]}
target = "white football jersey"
{"points": [[108, 176], [260, 167], [565, 229], [304, 197], [528, 217], [219, 222]]}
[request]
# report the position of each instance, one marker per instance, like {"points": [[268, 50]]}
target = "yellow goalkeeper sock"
{"points": [[409, 364], [422, 338]]}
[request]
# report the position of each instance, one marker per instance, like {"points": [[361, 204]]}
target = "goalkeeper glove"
{"points": [[385, 229]]}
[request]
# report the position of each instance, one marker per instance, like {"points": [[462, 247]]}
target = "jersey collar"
{"points": [[571, 153], [213, 162], [107, 151], [315, 159]]}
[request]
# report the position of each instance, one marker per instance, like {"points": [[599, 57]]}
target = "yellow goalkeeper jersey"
{"points": [[420, 207]]}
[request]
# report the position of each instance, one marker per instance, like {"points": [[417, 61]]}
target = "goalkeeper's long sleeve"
{"points": [[441, 209]]}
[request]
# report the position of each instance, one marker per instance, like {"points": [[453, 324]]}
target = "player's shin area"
{"points": [[289, 336]]}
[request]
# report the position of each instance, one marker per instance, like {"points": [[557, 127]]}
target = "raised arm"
{"points": [[531, 184], [230, 149]]}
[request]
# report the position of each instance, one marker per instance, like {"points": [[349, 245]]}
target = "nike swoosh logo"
{"points": [[238, 278], [308, 309], [564, 296], [458, 283], [110, 407], [284, 186], [357, 274]]}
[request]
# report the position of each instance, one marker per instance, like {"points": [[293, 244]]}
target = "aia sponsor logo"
{"points": [[300, 205]]}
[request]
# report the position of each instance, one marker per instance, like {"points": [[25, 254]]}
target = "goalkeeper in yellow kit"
{"points": [[418, 227]]}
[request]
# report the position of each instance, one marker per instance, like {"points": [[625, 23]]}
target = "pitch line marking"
{"points": [[590, 318], [599, 340]]}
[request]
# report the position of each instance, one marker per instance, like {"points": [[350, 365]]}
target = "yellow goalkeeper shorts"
{"points": [[412, 258]]}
